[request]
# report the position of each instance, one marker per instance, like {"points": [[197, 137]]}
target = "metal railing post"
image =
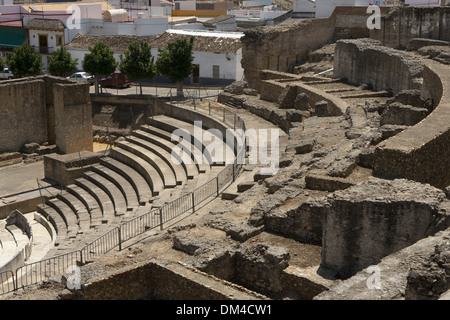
{"points": [[217, 185], [193, 202], [119, 228], [160, 218]]}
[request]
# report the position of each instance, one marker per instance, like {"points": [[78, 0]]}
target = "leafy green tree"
{"points": [[138, 62], [25, 61], [2, 64], [61, 62], [175, 62], [99, 61]]}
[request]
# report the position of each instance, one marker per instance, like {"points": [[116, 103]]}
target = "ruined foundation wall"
{"points": [[282, 47], [401, 24], [366, 61], [422, 152], [23, 117], [374, 219], [155, 280]]}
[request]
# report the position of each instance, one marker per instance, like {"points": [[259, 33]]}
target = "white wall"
{"points": [[324, 8], [185, 5], [304, 6], [256, 3], [229, 68]]}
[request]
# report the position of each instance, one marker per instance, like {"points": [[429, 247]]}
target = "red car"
{"points": [[115, 80]]}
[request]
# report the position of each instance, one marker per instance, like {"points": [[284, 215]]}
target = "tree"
{"points": [[2, 64], [99, 61], [138, 62], [61, 62], [175, 62], [25, 61]]}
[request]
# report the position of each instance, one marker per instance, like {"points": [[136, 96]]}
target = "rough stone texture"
{"points": [[363, 60], [283, 46], [376, 218], [326, 183], [409, 97], [36, 118], [23, 116], [321, 109], [431, 278], [397, 30], [405, 115], [392, 271], [438, 53], [417, 43], [421, 152], [260, 267], [237, 87]]}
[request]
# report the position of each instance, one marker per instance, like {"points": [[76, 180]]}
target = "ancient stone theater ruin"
{"points": [[358, 208]]}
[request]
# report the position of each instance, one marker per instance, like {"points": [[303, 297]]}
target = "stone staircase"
{"points": [[140, 173]]}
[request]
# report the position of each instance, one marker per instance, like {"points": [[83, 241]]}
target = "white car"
{"points": [[82, 76], [6, 74]]}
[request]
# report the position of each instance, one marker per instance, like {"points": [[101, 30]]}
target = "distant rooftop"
{"points": [[217, 42], [45, 24]]}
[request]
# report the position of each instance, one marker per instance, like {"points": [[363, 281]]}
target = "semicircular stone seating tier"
{"points": [[139, 172]]}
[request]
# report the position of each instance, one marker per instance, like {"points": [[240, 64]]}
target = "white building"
{"points": [[46, 36], [324, 8], [217, 55]]}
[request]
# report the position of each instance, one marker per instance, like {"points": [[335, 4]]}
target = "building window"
{"points": [[59, 41], [215, 72]]}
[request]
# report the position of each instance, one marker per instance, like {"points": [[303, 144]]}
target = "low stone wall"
{"points": [[167, 281]]}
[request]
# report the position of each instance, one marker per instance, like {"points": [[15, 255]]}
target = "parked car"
{"points": [[82, 76], [116, 80], [6, 74]]}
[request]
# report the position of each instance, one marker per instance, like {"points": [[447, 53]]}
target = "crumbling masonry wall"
{"points": [[401, 24], [45, 109], [366, 61], [23, 117], [282, 47]]}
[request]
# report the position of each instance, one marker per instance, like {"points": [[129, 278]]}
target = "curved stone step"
{"points": [[172, 124], [90, 203], [9, 246], [138, 182], [119, 201], [143, 167], [56, 220], [84, 218], [164, 148], [101, 196], [163, 139], [68, 215], [19, 236], [123, 184], [164, 164]]}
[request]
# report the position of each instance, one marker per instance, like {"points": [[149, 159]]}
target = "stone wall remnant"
{"points": [[373, 219]]}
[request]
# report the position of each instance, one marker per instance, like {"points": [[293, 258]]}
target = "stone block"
{"points": [[400, 114], [321, 109], [326, 183], [301, 102], [305, 146], [244, 186], [373, 219]]}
